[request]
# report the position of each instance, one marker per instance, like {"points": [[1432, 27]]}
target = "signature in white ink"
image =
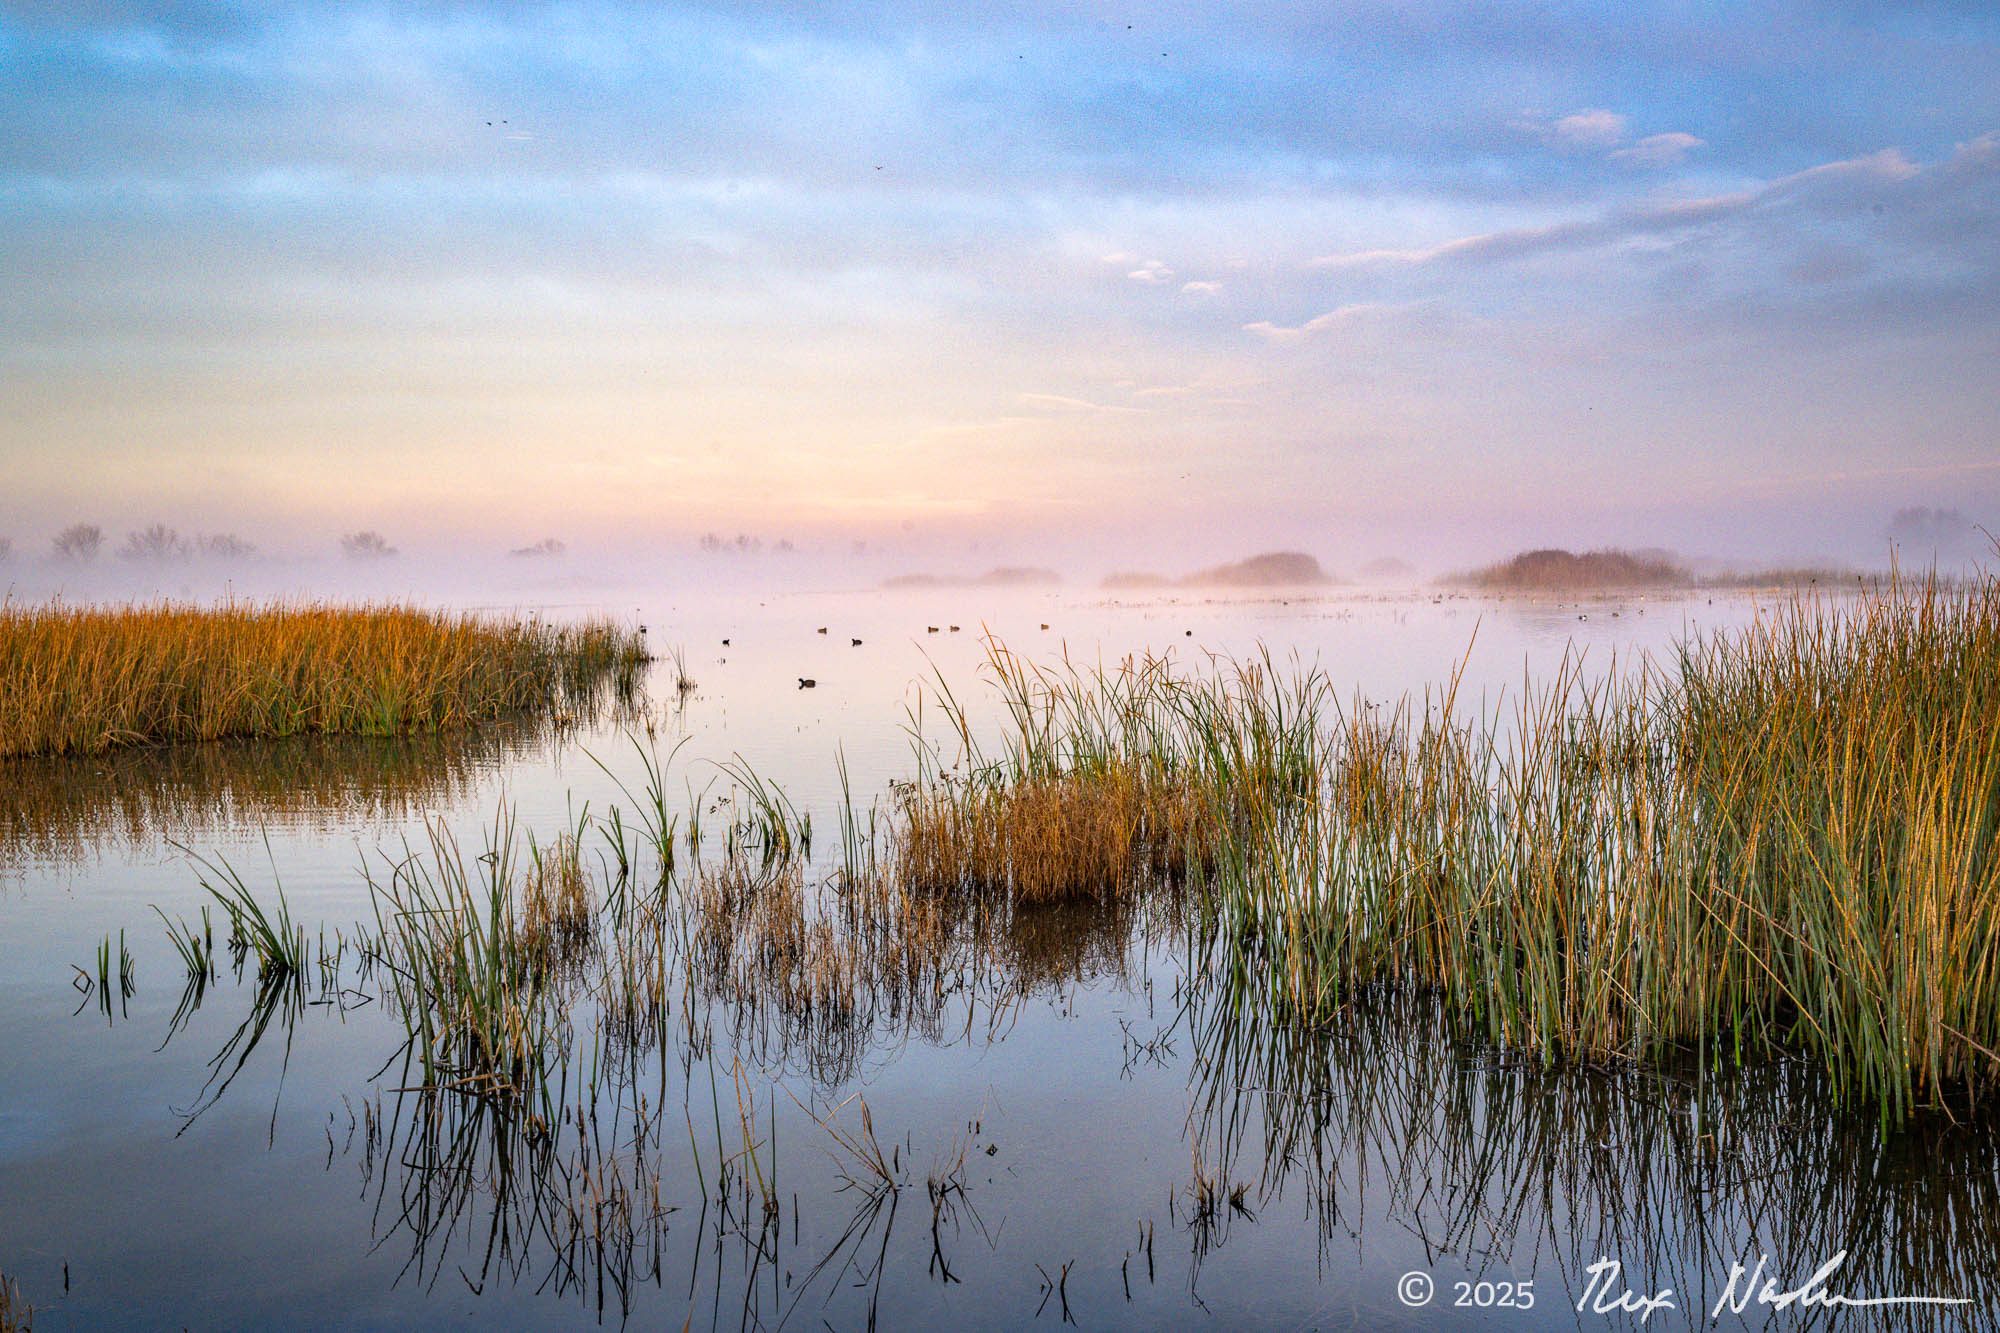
{"points": [[1604, 1293], [1748, 1286]]}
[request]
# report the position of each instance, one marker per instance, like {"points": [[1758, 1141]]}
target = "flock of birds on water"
{"points": [[809, 683]]}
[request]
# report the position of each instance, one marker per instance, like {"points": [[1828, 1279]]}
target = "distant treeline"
{"points": [[714, 543], [84, 543]]}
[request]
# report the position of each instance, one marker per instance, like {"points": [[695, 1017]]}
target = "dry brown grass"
{"points": [[83, 680], [815, 969], [1052, 837], [1105, 779]]}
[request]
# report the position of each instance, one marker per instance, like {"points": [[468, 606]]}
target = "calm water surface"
{"points": [[1072, 1129]]}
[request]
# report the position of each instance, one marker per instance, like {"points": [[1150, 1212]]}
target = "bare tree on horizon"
{"points": [[367, 545], [158, 542], [224, 546], [79, 541]]}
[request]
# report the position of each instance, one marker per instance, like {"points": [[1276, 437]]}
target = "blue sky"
{"points": [[1460, 277]]}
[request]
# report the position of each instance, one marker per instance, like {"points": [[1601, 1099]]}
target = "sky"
{"points": [[1131, 284]]}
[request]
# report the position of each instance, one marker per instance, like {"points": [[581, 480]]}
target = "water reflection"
{"points": [[64, 811], [701, 1132], [1502, 1168], [813, 981], [696, 1018]]}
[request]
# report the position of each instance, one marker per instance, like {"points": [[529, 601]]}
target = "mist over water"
{"points": [[591, 566]]}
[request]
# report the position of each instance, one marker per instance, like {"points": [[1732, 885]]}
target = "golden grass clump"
{"points": [[1050, 837], [756, 943], [84, 680], [1105, 779]]}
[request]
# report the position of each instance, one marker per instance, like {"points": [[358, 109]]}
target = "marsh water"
{"points": [[1067, 1123]]}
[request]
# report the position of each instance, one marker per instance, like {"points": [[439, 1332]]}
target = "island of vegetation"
{"points": [[1555, 570], [1272, 569]]}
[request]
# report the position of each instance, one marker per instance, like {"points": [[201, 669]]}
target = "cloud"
{"points": [[1215, 387], [1978, 155], [1658, 150], [1056, 402], [1598, 130], [325, 243], [1201, 288], [1594, 128], [1339, 317], [1872, 172]]}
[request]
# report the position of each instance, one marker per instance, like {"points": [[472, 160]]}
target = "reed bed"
{"points": [[85, 680], [1104, 778], [1781, 842]]}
